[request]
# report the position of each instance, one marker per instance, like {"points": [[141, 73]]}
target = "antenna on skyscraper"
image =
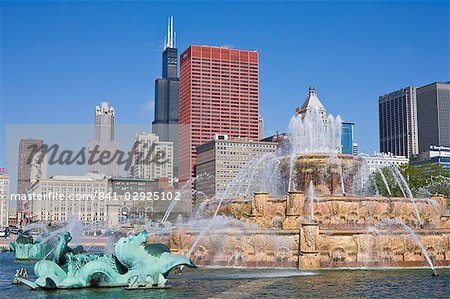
{"points": [[170, 43], [171, 31]]}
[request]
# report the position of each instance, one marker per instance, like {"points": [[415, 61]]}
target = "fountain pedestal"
{"points": [[309, 246], [259, 203], [334, 182], [294, 205], [259, 206]]}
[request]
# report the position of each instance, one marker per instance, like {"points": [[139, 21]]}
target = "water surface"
{"points": [[256, 283]]}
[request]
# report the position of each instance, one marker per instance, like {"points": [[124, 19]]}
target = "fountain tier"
{"points": [[331, 173], [339, 235]]}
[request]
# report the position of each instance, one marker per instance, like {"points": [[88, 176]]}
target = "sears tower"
{"points": [[167, 88]]}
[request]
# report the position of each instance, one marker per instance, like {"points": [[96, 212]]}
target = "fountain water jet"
{"points": [[410, 195], [397, 181], [335, 160], [398, 223], [385, 182], [185, 189], [311, 133], [341, 175], [291, 172], [311, 200]]}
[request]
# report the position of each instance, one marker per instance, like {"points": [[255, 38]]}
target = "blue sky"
{"points": [[60, 59]]}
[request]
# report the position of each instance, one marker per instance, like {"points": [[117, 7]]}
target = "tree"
{"points": [[427, 175], [428, 179], [388, 183], [423, 181]]}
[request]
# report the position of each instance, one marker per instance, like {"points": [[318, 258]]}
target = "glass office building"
{"points": [[398, 122], [433, 115], [347, 138]]}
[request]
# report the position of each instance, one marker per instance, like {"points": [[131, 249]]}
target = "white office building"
{"points": [[380, 160], [152, 159], [222, 159]]}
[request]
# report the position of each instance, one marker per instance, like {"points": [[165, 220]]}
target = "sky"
{"points": [[61, 59]]}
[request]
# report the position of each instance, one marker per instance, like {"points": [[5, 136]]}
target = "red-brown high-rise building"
{"points": [[31, 167], [219, 94]]}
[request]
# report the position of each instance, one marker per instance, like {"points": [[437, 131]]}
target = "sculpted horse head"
{"points": [[62, 247], [129, 250], [148, 259]]}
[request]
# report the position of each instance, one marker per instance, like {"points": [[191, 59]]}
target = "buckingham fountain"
{"points": [[307, 207], [311, 207]]}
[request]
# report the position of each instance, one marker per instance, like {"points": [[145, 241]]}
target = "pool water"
{"points": [[256, 283]]}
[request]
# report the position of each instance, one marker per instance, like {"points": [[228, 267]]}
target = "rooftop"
{"points": [[312, 101], [86, 177]]}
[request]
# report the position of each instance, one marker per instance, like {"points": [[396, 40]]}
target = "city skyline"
{"points": [[359, 58]]}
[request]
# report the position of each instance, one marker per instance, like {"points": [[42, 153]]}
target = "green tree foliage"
{"points": [[390, 185], [423, 180], [431, 177]]}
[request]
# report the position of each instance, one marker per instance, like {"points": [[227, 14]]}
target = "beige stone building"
{"points": [[312, 102], [58, 198], [99, 201], [223, 158], [146, 164]]}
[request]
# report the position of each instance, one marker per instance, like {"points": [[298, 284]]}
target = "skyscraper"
{"points": [[219, 94], [398, 122], [433, 115], [104, 140], [30, 167], [347, 138], [165, 124]]}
